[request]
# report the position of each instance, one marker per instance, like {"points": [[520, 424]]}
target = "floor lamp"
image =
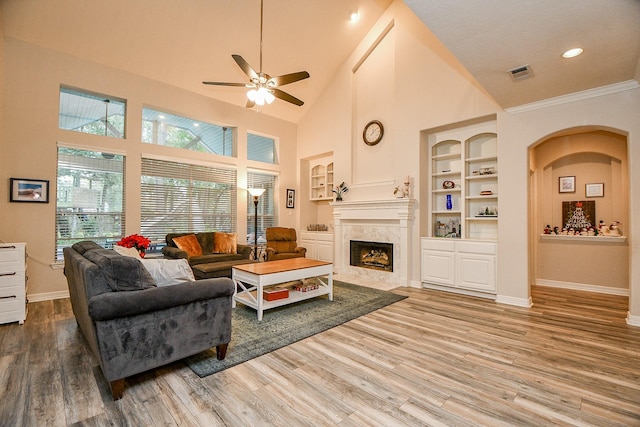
{"points": [[256, 193]]}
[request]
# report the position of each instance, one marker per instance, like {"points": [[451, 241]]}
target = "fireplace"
{"points": [[373, 255]]}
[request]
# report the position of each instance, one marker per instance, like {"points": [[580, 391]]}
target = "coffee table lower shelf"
{"points": [[294, 297]]}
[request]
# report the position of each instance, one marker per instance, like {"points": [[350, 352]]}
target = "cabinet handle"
{"points": [[8, 274], [7, 247], [9, 297]]}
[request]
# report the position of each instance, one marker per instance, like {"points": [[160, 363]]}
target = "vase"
{"points": [[449, 202], [338, 198]]}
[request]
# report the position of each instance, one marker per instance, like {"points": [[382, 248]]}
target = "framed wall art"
{"points": [[28, 190], [594, 190], [291, 198], [567, 184]]}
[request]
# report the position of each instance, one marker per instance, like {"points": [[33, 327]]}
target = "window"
{"points": [[181, 132], [91, 113], [90, 198], [179, 197], [261, 149], [267, 207]]}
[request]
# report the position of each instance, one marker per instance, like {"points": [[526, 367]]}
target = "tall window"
{"points": [[90, 198], [267, 207], [261, 149], [179, 197], [182, 132], [92, 113]]}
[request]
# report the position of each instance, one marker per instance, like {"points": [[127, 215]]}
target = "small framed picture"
{"points": [[291, 198], [28, 190], [567, 184], [594, 190]]}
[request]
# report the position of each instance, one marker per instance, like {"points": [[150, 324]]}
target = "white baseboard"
{"points": [[519, 302], [633, 320], [583, 287], [46, 296]]}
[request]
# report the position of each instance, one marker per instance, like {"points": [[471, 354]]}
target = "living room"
{"points": [[395, 52]]}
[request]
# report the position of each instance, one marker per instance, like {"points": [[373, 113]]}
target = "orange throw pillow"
{"points": [[189, 244], [225, 243]]}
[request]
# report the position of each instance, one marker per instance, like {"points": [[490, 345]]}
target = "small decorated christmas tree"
{"points": [[578, 220]]}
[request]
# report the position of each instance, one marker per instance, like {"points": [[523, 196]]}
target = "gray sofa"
{"points": [[131, 325], [209, 264]]}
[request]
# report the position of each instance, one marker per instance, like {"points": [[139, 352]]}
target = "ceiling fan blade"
{"points": [[244, 65], [290, 78], [225, 84], [286, 97]]}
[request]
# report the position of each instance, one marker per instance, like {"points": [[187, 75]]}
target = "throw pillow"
{"points": [[225, 243], [168, 271], [123, 273], [189, 244], [131, 252]]}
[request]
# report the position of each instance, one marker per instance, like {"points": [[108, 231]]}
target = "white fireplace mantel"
{"points": [[388, 220]]}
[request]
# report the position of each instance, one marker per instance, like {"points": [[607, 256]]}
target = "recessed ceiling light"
{"points": [[354, 17], [572, 53]]}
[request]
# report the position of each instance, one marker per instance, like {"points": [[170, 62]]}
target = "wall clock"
{"points": [[373, 132]]}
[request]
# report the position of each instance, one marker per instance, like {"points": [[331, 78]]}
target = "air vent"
{"points": [[520, 73]]}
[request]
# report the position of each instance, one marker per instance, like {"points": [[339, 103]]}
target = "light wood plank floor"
{"points": [[434, 358]]}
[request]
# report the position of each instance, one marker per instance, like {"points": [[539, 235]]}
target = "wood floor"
{"points": [[434, 358]]}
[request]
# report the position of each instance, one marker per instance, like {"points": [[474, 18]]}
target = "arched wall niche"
{"points": [[593, 155]]}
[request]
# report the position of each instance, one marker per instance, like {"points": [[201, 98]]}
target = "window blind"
{"points": [[90, 198], [267, 206], [180, 197]]}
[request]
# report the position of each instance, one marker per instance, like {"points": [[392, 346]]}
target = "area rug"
{"points": [[285, 325]]}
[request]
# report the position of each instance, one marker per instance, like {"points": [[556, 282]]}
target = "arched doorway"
{"points": [[593, 163]]}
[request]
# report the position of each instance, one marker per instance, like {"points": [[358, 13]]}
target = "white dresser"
{"points": [[13, 288]]}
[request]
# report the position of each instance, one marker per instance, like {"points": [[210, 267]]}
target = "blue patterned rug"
{"points": [[285, 325]]}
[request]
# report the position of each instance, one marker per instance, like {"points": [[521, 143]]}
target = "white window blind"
{"points": [[90, 198], [267, 206], [179, 197], [87, 112]]}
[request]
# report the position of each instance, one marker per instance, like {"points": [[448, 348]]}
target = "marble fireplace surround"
{"points": [[388, 221]]}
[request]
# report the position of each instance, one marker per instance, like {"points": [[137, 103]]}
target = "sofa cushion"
{"points": [[122, 273], [84, 246], [189, 244], [225, 243], [168, 271]]}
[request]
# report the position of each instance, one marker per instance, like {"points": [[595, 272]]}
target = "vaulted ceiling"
{"points": [[185, 42]]}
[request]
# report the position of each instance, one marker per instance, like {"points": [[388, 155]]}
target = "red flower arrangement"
{"points": [[137, 241]]}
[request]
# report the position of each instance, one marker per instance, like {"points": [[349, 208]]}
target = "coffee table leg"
{"points": [[330, 280], [260, 301]]}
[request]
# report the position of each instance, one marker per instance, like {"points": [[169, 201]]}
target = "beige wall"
{"points": [[29, 136]]}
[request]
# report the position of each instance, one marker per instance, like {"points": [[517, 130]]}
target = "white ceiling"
{"points": [[185, 42], [490, 37]]}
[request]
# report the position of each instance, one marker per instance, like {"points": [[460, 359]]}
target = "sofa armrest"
{"points": [[171, 252], [301, 250], [244, 250], [111, 305]]}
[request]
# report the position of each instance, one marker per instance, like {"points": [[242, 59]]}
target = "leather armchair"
{"points": [[282, 244]]}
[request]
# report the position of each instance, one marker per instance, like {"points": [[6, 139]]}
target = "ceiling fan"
{"points": [[263, 87]]}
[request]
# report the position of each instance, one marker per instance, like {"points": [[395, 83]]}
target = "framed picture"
{"points": [[291, 198], [28, 190], [579, 214], [567, 184], [594, 190]]}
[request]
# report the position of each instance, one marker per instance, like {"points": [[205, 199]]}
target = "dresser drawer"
{"points": [[6, 292], [11, 253], [15, 278]]}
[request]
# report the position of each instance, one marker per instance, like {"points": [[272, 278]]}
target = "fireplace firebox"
{"points": [[374, 255]]}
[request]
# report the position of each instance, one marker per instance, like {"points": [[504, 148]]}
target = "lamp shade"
{"points": [[256, 192]]}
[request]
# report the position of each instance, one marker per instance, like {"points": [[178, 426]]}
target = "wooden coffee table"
{"points": [[251, 280]]}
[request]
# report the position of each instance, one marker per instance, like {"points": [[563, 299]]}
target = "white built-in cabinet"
{"points": [[321, 179], [13, 283], [319, 245], [459, 248]]}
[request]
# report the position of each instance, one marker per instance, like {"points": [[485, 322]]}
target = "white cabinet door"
{"points": [[438, 267], [476, 271], [311, 248], [324, 251]]}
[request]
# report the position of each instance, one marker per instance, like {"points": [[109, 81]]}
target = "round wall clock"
{"points": [[373, 132]]}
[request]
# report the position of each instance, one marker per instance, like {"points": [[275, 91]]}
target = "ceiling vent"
{"points": [[520, 73]]}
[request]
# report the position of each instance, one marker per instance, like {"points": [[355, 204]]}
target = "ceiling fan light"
{"points": [[269, 97], [252, 95]]}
